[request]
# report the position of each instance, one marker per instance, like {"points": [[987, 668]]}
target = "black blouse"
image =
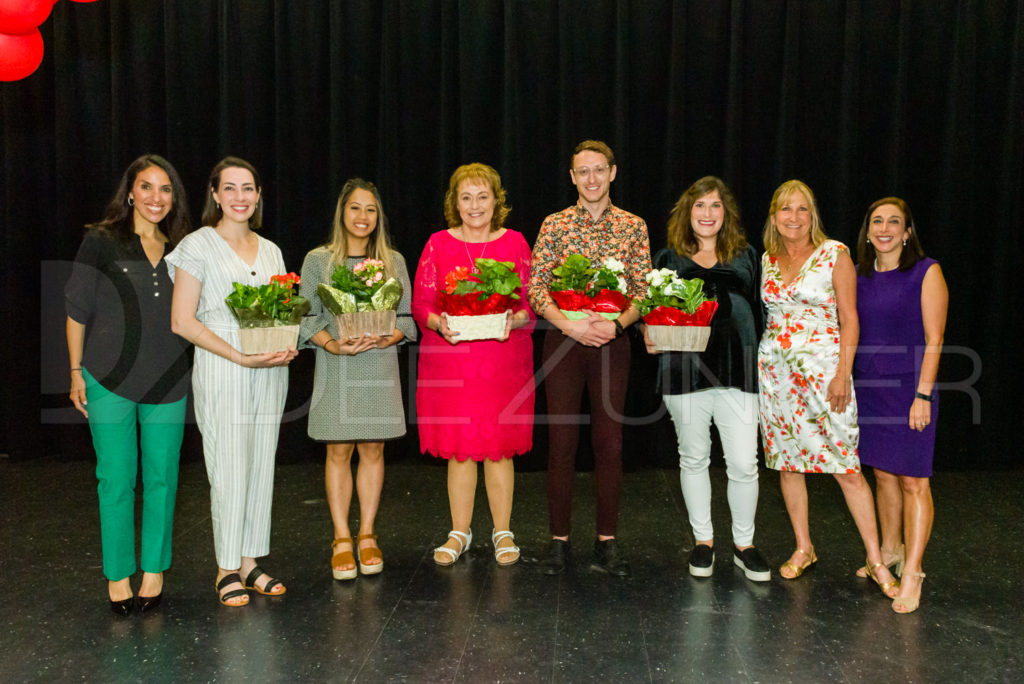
{"points": [[730, 359], [124, 302]]}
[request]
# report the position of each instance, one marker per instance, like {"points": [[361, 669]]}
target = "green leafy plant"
{"points": [[363, 287], [574, 273], [666, 288], [490, 277], [262, 306]]}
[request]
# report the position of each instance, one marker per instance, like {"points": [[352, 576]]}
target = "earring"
{"points": [[904, 243], [131, 201], [218, 206]]}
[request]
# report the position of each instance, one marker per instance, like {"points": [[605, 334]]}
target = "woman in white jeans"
{"points": [[706, 241]]}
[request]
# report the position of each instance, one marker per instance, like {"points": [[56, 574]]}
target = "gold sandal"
{"points": [[895, 562], [798, 570], [884, 586], [907, 604]]}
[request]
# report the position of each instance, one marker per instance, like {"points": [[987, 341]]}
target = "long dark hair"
{"points": [[212, 213], [911, 253], [730, 240], [118, 220]]}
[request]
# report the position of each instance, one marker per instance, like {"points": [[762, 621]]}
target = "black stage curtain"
{"points": [[859, 99]]}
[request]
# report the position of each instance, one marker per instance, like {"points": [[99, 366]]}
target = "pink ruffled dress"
{"points": [[474, 400]]}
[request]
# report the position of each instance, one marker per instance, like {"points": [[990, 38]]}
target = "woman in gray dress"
{"points": [[357, 396]]}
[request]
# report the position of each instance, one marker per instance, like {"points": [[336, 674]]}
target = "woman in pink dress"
{"points": [[474, 400]]}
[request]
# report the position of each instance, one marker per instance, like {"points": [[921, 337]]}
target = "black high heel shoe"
{"points": [[149, 602], [122, 607]]}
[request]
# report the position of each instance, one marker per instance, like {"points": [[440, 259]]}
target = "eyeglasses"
{"points": [[598, 171]]}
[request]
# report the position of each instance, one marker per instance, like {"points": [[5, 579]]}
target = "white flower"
{"points": [[622, 284], [614, 265], [659, 277]]}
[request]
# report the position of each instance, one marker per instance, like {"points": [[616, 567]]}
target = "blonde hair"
{"points": [[772, 239], [379, 244], [730, 240], [475, 172]]}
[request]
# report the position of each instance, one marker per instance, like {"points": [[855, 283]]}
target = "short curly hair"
{"points": [[475, 172]]}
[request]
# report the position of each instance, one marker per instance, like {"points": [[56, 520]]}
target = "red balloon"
{"points": [[20, 55], [23, 16]]}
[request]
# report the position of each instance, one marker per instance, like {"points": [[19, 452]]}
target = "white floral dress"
{"points": [[796, 360]]}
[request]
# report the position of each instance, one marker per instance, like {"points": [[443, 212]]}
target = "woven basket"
{"points": [[376, 323], [689, 338], [484, 327], [267, 340]]}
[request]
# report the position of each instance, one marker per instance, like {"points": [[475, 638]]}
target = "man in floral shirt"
{"points": [[588, 353]]}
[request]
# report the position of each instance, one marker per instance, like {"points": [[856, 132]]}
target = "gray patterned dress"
{"points": [[355, 398]]}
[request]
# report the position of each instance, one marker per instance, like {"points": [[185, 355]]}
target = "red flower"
{"points": [[451, 280], [288, 280]]}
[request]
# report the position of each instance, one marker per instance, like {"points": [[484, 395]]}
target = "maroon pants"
{"points": [[604, 371]]}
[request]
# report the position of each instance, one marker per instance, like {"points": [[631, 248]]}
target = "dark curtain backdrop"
{"points": [[921, 99]]}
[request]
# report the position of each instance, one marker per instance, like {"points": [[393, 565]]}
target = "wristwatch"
{"points": [[618, 327], [922, 395]]}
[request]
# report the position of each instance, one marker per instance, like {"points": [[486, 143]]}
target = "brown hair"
{"points": [[910, 254], [212, 213], [593, 146], [475, 172], [730, 240], [772, 239]]}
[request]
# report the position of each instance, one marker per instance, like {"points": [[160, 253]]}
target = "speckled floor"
{"points": [[476, 622]]}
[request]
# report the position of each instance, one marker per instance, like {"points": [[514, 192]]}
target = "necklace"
{"points": [[465, 243]]}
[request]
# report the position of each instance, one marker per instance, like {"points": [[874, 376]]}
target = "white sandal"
{"points": [[497, 537], [464, 539]]}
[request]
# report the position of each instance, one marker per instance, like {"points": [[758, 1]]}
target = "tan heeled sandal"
{"points": [[872, 571], [908, 604], [369, 553], [795, 569], [343, 558]]}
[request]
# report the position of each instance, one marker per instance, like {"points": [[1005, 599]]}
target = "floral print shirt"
{"points": [[616, 233]]}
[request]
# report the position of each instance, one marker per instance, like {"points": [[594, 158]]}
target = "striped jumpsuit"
{"points": [[238, 409]]}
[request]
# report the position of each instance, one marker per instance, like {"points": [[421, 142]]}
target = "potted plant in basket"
{"points": [[476, 304], [268, 315], [362, 300], [677, 314], [578, 287]]}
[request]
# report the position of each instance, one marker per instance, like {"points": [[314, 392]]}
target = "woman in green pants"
{"points": [[129, 370]]}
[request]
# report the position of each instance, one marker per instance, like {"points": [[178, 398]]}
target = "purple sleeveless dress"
{"points": [[886, 372]]}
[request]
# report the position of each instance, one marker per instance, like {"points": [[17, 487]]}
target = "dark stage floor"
{"points": [[476, 622]]}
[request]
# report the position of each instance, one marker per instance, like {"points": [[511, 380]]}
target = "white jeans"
{"points": [[735, 414]]}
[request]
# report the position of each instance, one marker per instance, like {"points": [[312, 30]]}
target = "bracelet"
{"points": [[75, 369], [922, 395], [618, 327], [328, 342]]}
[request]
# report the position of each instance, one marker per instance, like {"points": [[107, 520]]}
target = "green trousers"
{"points": [[114, 422]]}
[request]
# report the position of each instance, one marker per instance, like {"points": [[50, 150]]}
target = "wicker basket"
{"points": [[266, 340], [484, 327], [689, 338], [376, 323]]}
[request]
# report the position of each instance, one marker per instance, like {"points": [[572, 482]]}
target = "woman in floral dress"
{"points": [[805, 359]]}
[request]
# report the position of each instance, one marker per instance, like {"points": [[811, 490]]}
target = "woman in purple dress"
{"points": [[901, 301]]}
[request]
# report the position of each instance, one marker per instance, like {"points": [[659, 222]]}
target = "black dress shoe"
{"points": [[607, 558], [122, 607], [557, 558], [149, 602]]}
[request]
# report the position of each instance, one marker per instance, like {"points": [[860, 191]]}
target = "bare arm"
{"points": [[844, 282], [934, 306], [184, 305], [76, 342]]}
